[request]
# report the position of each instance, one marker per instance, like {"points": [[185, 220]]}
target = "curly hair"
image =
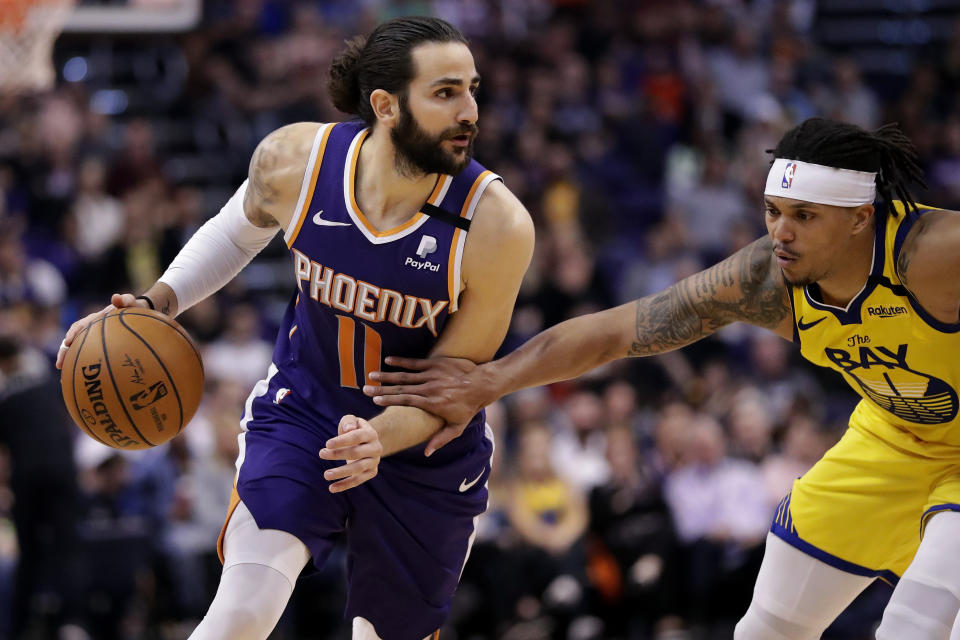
{"points": [[886, 152]]}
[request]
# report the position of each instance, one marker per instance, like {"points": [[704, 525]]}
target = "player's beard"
{"points": [[801, 281], [419, 153]]}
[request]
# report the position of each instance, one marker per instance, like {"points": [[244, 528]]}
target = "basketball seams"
{"points": [[173, 384], [73, 384], [171, 324], [123, 405]]}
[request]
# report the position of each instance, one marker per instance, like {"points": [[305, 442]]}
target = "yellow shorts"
{"points": [[863, 506]]}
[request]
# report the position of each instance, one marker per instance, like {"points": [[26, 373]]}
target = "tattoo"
{"points": [[747, 286], [165, 309], [262, 193], [909, 249]]}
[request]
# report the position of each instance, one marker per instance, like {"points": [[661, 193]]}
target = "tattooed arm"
{"points": [[226, 242], [275, 175], [273, 187], [747, 286]]}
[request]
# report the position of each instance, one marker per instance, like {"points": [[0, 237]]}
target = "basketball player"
{"points": [[868, 287], [401, 244]]}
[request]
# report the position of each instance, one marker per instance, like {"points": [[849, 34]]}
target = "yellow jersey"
{"points": [[902, 361], [863, 506]]}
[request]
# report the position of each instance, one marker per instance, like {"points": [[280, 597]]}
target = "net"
{"points": [[28, 29]]}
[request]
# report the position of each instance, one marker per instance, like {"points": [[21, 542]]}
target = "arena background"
{"points": [[635, 132]]}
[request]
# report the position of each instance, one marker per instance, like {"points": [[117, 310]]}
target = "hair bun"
{"points": [[344, 85]]}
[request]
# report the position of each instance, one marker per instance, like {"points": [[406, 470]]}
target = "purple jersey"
{"points": [[362, 295]]}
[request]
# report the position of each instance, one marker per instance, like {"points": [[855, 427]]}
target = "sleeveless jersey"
{"points": [[364, 294], [900, 359]]}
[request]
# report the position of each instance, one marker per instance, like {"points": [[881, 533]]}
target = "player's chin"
{"points": [[796, 278], [459, 158]]}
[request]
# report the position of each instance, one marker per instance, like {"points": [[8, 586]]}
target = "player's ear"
{"points": [[385, 107], [862, 216]]}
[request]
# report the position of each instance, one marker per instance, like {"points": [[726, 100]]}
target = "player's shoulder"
{"points": [[290, 142], [501, 235], [277, 170], [929, 250], [499, 212], [933, 233], [281, 157]]}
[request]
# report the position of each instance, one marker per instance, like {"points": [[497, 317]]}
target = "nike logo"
{"points": [[318, 220], [803, 326], [466, 485]]}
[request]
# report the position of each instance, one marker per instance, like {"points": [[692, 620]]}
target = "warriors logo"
{"points": [[885, 378]]}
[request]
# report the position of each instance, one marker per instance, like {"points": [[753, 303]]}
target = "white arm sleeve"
{"points": [[216, 253]]}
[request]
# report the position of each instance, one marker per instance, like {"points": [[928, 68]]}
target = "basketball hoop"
{"points": [[28, 29]]}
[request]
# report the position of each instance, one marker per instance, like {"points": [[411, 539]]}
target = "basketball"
{"points": [[133, 379]]}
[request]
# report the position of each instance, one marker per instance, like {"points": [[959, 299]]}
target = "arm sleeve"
{"points": [[216, 253]]}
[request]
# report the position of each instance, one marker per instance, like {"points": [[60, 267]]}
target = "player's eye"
{"points": [[443, 93]]}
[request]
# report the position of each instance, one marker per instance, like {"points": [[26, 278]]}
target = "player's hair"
{"points": [[382, 61], [886, 151]]}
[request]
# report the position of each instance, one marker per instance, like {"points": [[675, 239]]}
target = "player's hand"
{"points": [[358, 443], [117, 301], [451, 388]]}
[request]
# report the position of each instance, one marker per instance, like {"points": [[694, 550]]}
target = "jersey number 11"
{"points": [[345, 345]]}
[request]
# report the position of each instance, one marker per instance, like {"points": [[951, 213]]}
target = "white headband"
{"points": [[824, 185]]}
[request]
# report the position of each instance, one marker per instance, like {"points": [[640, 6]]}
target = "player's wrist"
{"points": [[494, 383], [162, 297]]}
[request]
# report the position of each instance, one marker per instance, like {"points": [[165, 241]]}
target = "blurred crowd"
{"points": [[632, 503]]}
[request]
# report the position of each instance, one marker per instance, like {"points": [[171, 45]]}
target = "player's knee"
{"points": [[919, 612], [760, 624], [249, 601], [901, 622]]}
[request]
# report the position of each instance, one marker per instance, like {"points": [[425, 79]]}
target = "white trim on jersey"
{"points": [[488, 433], [298, 211], [259, 389], [447, 181], [461, 238], [409, 227]]}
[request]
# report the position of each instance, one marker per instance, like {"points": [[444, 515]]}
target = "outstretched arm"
{"points": [[747, 286]]}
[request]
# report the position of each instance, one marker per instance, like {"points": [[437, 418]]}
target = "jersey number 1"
{"points": [[345, 344]]}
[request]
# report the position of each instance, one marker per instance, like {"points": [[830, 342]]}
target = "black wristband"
{"points": [[149, 302]]}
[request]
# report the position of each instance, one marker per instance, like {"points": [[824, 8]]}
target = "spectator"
{"points": [[631, 526], [24, 279], [577, 450], [240, 354], [550, 518], [722, 515], [38, 434]]}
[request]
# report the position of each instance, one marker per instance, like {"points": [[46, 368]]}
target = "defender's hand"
{"points": [[450, 388], [117, 301], [358, 444]]}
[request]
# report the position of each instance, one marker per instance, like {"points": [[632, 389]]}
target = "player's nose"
{"points": [[781, 231], [470, 112]]}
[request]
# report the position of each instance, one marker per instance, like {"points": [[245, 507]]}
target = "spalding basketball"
{"points": [[133, 379]]}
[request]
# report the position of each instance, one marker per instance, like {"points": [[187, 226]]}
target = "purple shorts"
{"points": [[408, 530]]}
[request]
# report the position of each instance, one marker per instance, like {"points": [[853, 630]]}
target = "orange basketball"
{"points": [[133, 379]]}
